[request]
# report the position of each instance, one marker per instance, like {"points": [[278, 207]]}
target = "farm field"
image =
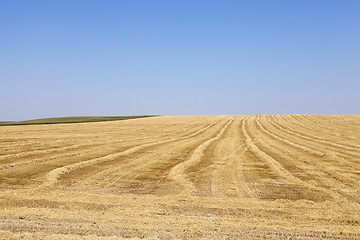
{"points": [[61, 120], [183, 177]]}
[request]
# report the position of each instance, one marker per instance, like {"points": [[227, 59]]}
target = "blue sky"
{"points": [[73, 57]]}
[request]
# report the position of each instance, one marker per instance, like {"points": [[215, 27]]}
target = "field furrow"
{"points": [[306, 159], [177, 173], [314, 136]]}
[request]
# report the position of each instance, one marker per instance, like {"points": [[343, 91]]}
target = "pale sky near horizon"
{"points": [[178, 57]]}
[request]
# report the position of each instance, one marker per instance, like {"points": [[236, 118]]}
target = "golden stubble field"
{"points": [[202, 177]]}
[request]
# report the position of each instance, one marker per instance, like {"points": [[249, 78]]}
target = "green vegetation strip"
{"points": [[62, 120]]}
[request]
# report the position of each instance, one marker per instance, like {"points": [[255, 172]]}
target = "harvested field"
{"points": [[207, 177]]}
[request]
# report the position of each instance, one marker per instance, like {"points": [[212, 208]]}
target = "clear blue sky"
{"points": [[73, 57]]}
